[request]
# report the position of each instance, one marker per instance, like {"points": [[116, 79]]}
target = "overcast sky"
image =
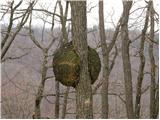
{"points": [[111, 8]]}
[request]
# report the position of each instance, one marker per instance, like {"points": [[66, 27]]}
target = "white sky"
{"points": [[111, 7]]}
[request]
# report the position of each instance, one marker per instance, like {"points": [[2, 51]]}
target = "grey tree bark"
{"points": [[64, 107], [141, 66], [57, 90], [106, 49], [39, 95], [152, 65], [105, 54], [79, 35], [63, 19], [126, 59]]}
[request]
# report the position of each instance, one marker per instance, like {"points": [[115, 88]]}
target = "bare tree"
{"points": [[79, 34], [152, 65], [106, 49], [9, 37], [29, 92], [44, 69], [141, 66], [126, 58], [105, 62]]}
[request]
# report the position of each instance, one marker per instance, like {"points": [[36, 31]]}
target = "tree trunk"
{"points": [[126, 59], [107, 68], [105, 54], [39, 96], [79, 35], [141, 67], [63, 20], [152, 65], [157, 100], [64, 108], [57, 100]]}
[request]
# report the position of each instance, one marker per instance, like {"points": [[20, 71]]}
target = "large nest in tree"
{"points": [[66, 65]]}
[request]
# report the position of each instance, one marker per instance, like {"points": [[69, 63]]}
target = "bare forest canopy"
{"points": [[127, 44]]}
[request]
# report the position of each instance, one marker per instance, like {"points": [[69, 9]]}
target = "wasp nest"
{"points": [[66, 65]]}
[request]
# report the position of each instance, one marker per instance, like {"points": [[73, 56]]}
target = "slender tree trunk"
{"points": [[152, 65], [57, 100], [157, 100], [79, 35], [39, 96], [106, 49], [63, 20], [126, 58], [105, 54], [64, 108], [141, 67]]}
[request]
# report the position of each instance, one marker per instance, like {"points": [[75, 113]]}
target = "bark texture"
{"points": [[107, 67], [64, 107], [105, 54], [39, 95], [141, 67], [152, 65], [79, 36], [57, 99], [126, 59]]}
